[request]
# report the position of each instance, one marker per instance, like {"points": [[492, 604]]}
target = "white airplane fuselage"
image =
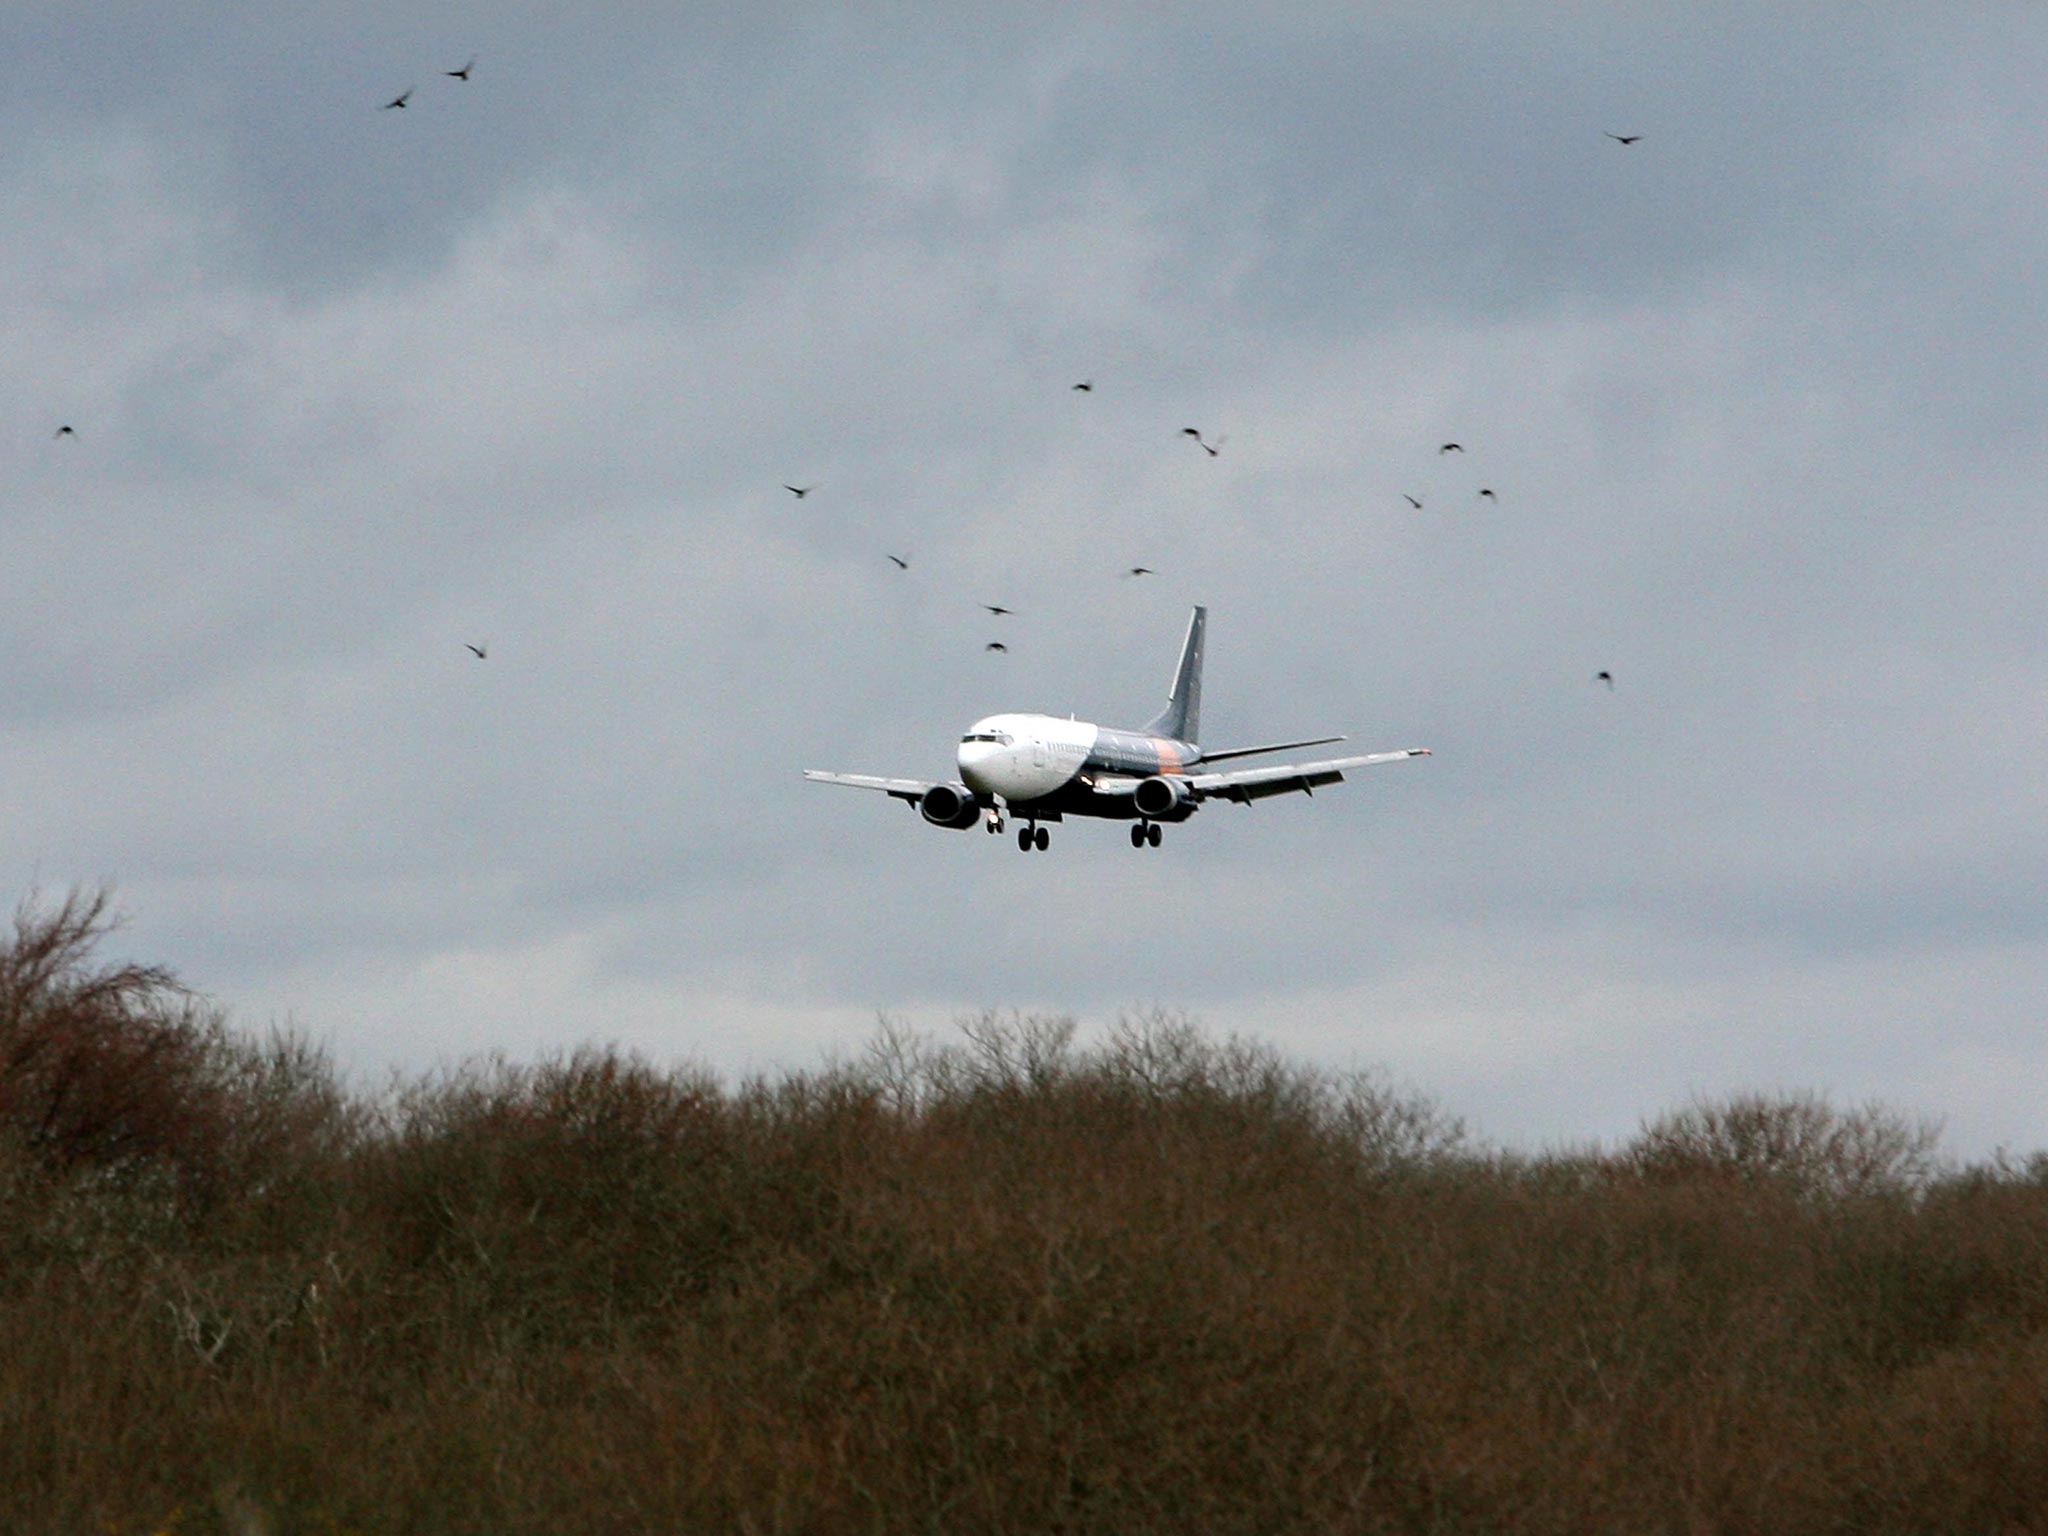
{"points": [[1047, 766]]}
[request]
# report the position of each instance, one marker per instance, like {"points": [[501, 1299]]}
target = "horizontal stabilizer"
{"points": [[1278, 746]]}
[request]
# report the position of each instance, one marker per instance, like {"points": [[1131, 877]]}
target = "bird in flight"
{"points": [[1085, 386], [398, 100], [1411, 501], [1605, 677], [462, 73], [799, 491], [1488, 494], [997, 609], [1207, 447], [901, 563], [63, 431], [1452, 448], [995, 645], [1139, 570], [476, 650], [1624, 138]]}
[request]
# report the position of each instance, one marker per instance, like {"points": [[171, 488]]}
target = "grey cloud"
{"points": [[1754, 395]]}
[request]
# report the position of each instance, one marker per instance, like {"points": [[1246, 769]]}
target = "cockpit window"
{"points": [[999, 738]]}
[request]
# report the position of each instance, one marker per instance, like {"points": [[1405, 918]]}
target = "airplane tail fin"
{"points": [[1182, 717]]}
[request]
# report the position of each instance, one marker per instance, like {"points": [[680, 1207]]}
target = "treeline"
{"points": [[1003, 1283]]}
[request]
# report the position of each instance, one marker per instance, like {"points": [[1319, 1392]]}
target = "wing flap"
{"points": [[1248, 784]]}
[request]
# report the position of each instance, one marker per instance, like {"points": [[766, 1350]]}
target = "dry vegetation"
{"points": [[1005, 1284]]}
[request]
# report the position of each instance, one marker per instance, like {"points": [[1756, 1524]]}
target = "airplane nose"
{"points": [[972, 758]]}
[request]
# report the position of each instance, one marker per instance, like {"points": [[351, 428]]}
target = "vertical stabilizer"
{"points": [[1182, 718]]}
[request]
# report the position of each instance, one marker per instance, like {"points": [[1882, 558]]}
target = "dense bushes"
{"points": [[1006, 1283]]}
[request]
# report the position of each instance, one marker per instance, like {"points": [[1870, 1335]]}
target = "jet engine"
{"points": [[949, 805], [1163, 797]]}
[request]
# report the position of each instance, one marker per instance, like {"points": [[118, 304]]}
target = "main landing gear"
{"points": [[1145, 832], [1029, 836]]}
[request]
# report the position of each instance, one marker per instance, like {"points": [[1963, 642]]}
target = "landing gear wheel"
{"points": [[1023, 839], [1041, 839], [1138, 835], [1152, 834]]}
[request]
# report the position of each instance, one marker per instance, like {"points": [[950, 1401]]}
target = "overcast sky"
{"points": [[527, 363]]}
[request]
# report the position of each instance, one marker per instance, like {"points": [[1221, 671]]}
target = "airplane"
{"points": [[1040, 768]]}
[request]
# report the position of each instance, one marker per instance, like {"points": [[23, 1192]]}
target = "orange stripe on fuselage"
{"points": [[1169, 757]]}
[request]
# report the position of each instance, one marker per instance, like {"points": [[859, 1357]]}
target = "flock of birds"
{"points": [[1212, 447], [997, 610], [1085, 386]]}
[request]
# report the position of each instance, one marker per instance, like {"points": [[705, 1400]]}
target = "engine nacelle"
{"points": [[1163, 797], [949, 805]]}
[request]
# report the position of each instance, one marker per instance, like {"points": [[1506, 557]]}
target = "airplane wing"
{"points": [[912, 790], [1249, 784]]}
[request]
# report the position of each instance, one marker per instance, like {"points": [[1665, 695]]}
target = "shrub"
{"points": [[106, 1068], [1797, 1142]]}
